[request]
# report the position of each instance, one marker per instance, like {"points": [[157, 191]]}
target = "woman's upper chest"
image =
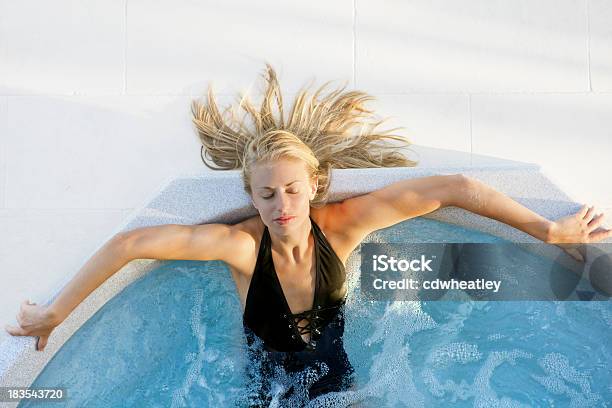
{"points": [[297, 279]]}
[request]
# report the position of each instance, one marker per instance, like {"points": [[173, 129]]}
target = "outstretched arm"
{"points": [[356, 217], [195, 242], [581, 227]]}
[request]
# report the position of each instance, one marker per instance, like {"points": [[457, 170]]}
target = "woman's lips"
{"points": [[284, 220]]}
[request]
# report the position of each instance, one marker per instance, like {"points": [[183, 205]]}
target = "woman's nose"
{"points": [[282, 202]]}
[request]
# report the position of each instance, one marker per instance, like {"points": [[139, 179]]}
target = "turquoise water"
{"points": [[174, 338]]}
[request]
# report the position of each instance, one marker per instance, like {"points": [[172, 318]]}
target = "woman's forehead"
{"points": [[279, 171]]}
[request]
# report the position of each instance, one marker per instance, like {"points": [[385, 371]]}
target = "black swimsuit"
{"points": [[274, 334]]}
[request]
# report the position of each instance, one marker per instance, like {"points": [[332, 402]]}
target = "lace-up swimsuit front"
{"points": [[274, 333]]}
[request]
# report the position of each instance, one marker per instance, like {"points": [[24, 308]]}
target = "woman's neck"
{"points": [[293, 247]]}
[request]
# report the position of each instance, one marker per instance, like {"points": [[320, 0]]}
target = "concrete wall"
{"points": [[94, 98]]}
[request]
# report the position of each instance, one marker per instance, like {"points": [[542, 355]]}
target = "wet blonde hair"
{"points": [[324, 131]]}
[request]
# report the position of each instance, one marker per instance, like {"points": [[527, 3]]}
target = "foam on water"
{"points": [[563, 379], [195, 360]]}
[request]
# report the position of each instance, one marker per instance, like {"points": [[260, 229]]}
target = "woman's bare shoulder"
{"points": [[342, 244], [249, 229], [323, 216], [245, 237]]}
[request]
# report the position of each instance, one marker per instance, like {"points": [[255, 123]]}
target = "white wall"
{"points": [[94, 98]]}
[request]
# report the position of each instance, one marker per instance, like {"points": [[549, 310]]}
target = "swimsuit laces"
{"points": [[314, 320]]}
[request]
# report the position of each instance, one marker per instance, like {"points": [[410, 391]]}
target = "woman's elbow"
{"points": [[461, 187], [120, 244]]}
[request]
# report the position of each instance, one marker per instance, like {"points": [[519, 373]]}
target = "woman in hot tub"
{"points": [[288, 261]]}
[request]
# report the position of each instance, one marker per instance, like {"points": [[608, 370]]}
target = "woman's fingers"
{"points": [[29, 319], [600, 234], [27, 302], [42, 343], [589, 214], [596, 221], [583, 211], [15, 331], [19, 318]]}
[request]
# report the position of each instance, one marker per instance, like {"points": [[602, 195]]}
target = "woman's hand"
{"points": [[579, 228], [34, 320]]}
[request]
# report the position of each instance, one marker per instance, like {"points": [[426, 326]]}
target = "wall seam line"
{"points": [[125, 45], [4, 118], [354, 43], [588, 20]]}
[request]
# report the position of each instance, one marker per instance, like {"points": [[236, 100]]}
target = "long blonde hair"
{"points": [[325, 131]]}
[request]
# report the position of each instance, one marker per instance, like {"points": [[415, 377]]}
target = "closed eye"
{"points": [[272, 195]]}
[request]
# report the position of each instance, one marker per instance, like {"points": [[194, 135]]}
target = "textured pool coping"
{"points": [[219, 197]]}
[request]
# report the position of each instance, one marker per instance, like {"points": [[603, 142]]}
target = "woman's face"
{"points": [[281, 192]]}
